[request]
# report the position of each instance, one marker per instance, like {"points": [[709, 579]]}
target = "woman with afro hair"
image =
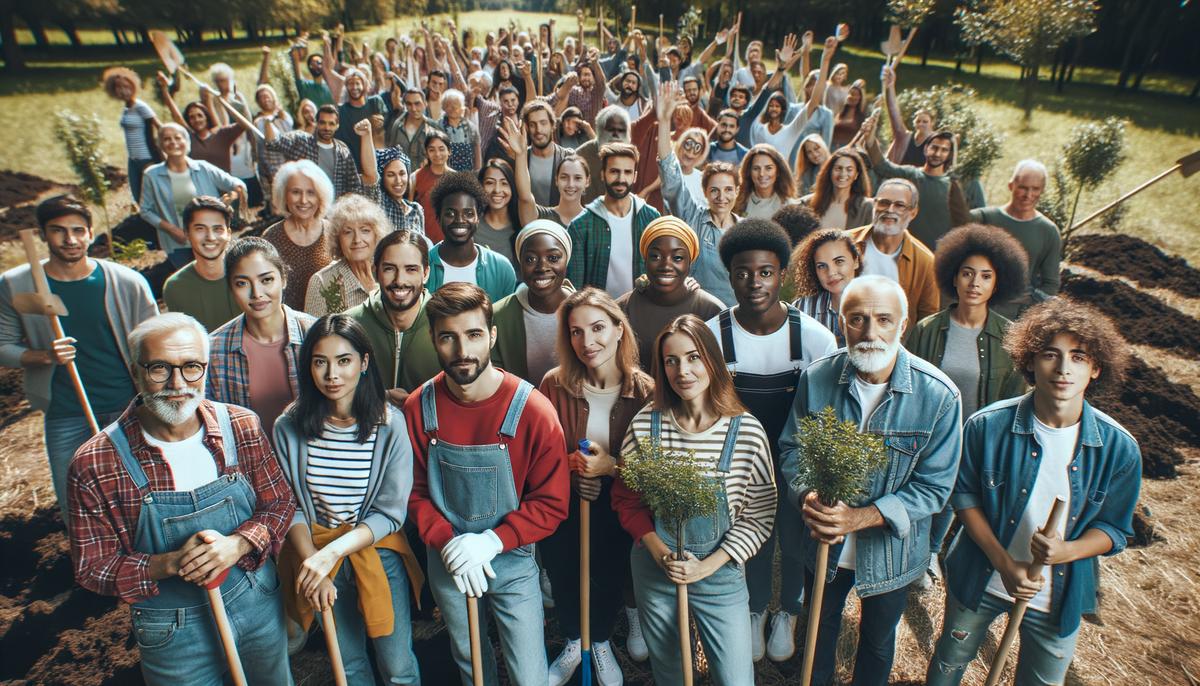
{"points": [[138, 121], [976, 265]]}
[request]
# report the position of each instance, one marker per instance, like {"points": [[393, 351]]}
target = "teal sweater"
{"points": [[493, 272]]}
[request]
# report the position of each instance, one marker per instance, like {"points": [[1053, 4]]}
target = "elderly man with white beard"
{"points": [[612, 126], [881, 544], [889, 249], [178, 494]]}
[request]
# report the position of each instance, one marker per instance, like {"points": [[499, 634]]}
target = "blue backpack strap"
{"points": [[656, 425], [228, 441], [429, 420], [735, 424], [726, 322], [796, 333], [117, 437], [516, 406]]}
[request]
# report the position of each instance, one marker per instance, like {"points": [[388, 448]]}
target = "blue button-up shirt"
{"points": [[1001, 461], [919, 420], [707, 268]]}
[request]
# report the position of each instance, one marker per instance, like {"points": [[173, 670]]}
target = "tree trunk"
{"points": [[1161, 31], [34, 23], [67, 26], [143, 34], [926, 46], [14, 60], [1195, 90], [1143, 19], [978, 60], [1030, 83]]}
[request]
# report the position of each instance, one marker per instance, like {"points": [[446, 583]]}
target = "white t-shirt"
{"points": [[869, 397], [691, 181], [192, 466], [601, 402], [772, 353], [465, 274], [881, 263], [1058, 448], [620, 255]]}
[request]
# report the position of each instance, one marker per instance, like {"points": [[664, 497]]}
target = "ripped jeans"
{"points": [[1044, 655]]}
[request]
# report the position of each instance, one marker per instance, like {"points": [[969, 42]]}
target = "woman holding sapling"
{"points": [[696, 412]]}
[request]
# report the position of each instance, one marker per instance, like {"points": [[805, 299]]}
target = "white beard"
{"points": [[894, 229], [172, 412], [873, 357]]}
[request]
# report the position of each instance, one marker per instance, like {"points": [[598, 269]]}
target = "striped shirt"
{"points": [[339, 469], [749, 484], [820, 308]]}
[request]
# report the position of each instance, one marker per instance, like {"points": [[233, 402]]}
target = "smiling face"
{"points": [[67, 238], [843, 173], [437, 152], [620, 173], [727, 129], [257, 286], [301, 199], [337, 368], [975, 281], [401, 276], [937, 152], [543, 265], [691, 91], [684, 366], [463, 344], [265, 100], [327, 126], [356, 87], [459, 218], [763, 172], [174, 142], [737, 99], [774, 110], [208, 234], [453, 107], [1063, 369], [414, 105], [668, 262], [541, 128], [721, 192], [496, 188], [175, 400], [357, 242], [692, 149], [509, 102], [758, 70], [1026, 190], [395, 179], [595, 337], [570, 180], [835, 265], [816, 153], [894, 209], [756, 278], [196, 118]]}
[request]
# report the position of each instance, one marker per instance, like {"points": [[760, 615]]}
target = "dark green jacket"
{"points": [[998, 379], [591, 242], [418, 360]]}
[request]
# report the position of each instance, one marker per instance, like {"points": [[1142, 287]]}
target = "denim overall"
{"points": [[769, 398], [175, 630], [472, 486], [717, 603]]}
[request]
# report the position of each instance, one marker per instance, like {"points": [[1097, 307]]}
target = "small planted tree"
{"points": [[80, 137], [980, 143], [1089, 158]]}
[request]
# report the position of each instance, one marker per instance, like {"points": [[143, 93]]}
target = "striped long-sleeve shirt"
{"points": [[749, 484]]}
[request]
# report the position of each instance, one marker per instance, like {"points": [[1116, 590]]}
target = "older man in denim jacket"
{"points": [[880, 545]]}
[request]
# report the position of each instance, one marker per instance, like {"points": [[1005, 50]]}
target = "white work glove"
{"points": [[473, 582], [470, 550]]}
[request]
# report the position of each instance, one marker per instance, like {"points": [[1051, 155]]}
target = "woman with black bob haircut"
{"points": [[976, 265], [347, 457]]}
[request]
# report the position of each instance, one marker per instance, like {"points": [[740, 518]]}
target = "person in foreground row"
{"points": [[880, 546], [1018, 455], [165, 500]]}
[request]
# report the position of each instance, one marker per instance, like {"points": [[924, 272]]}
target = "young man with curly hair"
{"points": [[1019, 455], [458, 203]]}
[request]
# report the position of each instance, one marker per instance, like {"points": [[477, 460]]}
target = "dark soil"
{"points": [[18, 191], [16, 218], [18, 187], [1133, 258], [12, 398], [1141, 318]]}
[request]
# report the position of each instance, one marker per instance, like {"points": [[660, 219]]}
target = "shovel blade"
{"points": [[1189, 164], [892, 45], [170, 55], [38, 304]]}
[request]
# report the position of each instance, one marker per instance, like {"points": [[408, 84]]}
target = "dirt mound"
{"points": [[18, 187], [1133, 258], [16, 218], [12, 397], [1141, 318]]}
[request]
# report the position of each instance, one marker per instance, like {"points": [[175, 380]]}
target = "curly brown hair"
{"points": [[1009, 259], [804, 269], [114, 74], [1030, 334]]}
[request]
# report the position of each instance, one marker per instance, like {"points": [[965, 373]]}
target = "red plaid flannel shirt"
{"points": [[104, 504]]}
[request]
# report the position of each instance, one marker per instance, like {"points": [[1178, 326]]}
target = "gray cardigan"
{"points": [[386, 502], [127, 302]]}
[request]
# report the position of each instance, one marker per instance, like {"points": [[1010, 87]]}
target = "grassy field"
{"points": [[1161, 126]]}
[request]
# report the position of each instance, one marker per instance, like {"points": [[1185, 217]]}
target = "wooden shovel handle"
{"points": [[217, 603], [814, 613], [685, 633], [476, 649], [335, 650]]}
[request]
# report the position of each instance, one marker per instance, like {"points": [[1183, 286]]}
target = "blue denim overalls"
{"points": [[769, 398], [717, 603], [472, 486], [174, 629]]}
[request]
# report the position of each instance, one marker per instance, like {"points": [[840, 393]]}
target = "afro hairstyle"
{"points": [[755, 234], [457, 182], [798, 219], [1008, 258]]}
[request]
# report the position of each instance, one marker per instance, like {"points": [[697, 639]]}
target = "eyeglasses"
{"points": [[692, 145], [161, 372], [892, 204]]}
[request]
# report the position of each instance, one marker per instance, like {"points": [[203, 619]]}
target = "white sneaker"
{"points": [[564, 666], [608, 672], [635, 643], [782, 644], [758, 630], [547, 592]]}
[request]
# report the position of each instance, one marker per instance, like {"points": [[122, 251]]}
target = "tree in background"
{"points": [[1089, 158], [80, 136], [1028, 31]]}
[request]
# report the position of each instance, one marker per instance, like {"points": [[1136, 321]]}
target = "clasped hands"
{"points": [[207, 554], [830, 523], [468, 558], [588, 467]]}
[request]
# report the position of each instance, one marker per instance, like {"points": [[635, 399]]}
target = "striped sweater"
{"points": [[749, 485]]}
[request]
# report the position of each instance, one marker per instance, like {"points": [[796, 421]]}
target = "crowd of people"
{"points": [[499, 268]]}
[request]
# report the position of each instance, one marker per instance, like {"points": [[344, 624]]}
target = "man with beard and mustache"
{"points": [[480, 523], [891, 251], [544, 154], [199, 288], [944, 205], [612, 126], [458, 201], [624, 92], [510, 102], [314, 89], [691, 93], [606, 235], [323, 149], [725, 147], [105, 301], [582, 88], [358, 106], [393, 315], [880, 545], [175, 494], [409, 132]]}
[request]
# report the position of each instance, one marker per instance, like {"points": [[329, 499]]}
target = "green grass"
{"points": [[1161, 126]]}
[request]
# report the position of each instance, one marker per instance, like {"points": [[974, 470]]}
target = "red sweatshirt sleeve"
{"points": [[635, 517], [538, 451], [434, 529]]}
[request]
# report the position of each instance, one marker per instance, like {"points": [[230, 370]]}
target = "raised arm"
{"points": [[900, 133], [818, 95], [366, 151], [164, 87], [665, 107], [717, 41], [333, 80], [294, 53], [512, 139], [265, 67]]}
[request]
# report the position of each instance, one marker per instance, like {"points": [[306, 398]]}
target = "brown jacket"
{"points": [[915, 267], [572, 407]]}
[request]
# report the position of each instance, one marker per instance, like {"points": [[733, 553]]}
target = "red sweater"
{"points": [[538, 455]]}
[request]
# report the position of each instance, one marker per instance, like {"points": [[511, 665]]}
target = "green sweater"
{"points": [[1042, 242], [418, 360], [210, 302], [998, 379]]}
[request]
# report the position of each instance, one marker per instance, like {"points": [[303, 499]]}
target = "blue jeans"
{"points": [[393, 653], [64, 436], [938, 528], [789, 531], [181, 647], [876, 631], [1044, 655], [720, 606], [514, 596]]}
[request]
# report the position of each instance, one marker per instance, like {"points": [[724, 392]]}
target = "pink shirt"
{"points": [[270, 392]]}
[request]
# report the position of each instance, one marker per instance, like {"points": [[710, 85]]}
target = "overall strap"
{"points": [[726, 322], [515, 407], [227, 438], [132, 466], [656, 425], [735, 423], [795, 333], [429, 420]]}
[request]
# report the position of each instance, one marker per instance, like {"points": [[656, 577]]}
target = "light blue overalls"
{"points": [[472, 486], [719, 603], [175, 629]]}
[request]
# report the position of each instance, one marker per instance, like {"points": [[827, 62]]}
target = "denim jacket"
{"points": [[707, 268], [920, 422], [999, 467]]}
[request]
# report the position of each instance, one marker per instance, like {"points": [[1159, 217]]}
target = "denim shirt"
{"points": [[707, 268], [920, 421], [999, 466]]}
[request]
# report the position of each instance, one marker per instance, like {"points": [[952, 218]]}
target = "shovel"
{"points": [[585, 581], [217, 603], [476, 649], [814, 613], [43, 302], [170, 55], [891, 47], [331, 644], [842, 32], [1186, 166], [904, 48]]}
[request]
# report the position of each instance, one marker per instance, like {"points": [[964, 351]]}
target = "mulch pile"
{"points": [[1141, 318], [1133, 258]]}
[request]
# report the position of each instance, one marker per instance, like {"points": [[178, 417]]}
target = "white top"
{"points": [[691, 181], [782, 140], [338, 473], [620, 255], [192, 466], [772, 353], [869, 397], [880, 263], [465, 274], [601, 402], [183, 189], [1058, 448]]}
